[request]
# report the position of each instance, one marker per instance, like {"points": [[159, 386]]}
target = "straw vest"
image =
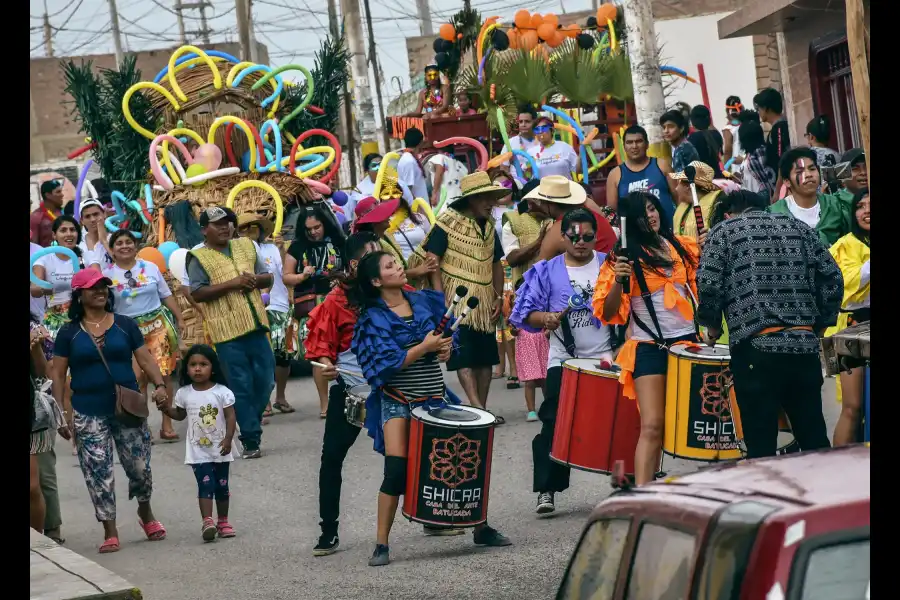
{"points": [[526, 229], [236, 313]]}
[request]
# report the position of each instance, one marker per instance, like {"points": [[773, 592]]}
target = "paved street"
{"points": [[275, 511]]}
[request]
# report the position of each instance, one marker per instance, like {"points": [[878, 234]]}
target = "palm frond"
{"points": [[527, 76], [580, 75], [503, 97]]}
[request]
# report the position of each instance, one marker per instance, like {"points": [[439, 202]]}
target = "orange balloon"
{"points": [[447, 32], [546, 31], [529, 39], [606, 12], [573, 31], [513, 35], [153, 255], [522, 19], [552, 19], [557, 39], [536, 21]]}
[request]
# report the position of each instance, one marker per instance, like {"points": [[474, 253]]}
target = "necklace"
{"points": [[97, 323]]}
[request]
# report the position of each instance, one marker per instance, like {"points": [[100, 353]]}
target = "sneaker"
{"points": [[380, 557], [545, 503], [252, 453], [328, 544], [434, 530], [532, 417], [488, 536], [208, 530], [225, 529]]}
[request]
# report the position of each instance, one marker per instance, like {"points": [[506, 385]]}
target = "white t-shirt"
{"points": [[454, 171], [59, 272], [558, 159], [590, 341], [97, 255], [736, 149], [185, 279], [749, 182], [508, 239], [145, 296], [517, 142], [38, 305], [497, 213], [206, 423], [278, 295], [411, 173], [410, 235], [810, 216]]}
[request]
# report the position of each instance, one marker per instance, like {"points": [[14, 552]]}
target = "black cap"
{"points": [[217, 213], [853, 155], [49, 186]]}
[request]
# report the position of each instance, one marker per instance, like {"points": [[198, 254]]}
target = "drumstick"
{"points": [[691, 173], [623, 281], [338, 369], [461, 291], [471, 304]]}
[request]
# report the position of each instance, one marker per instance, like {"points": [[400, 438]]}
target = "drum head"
{"points": [[360, 391], [591, 365], [702, 352], [454, 416]]}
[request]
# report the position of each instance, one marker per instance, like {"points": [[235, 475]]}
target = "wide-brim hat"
{"points": [[266, 226], [370, 210], [479, 185], [559, 190], [703, 178]]}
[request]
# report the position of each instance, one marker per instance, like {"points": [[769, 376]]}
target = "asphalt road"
{"points": [[275, 512]]}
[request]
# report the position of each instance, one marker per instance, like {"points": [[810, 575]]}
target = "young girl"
{"points": [[210, 405]]}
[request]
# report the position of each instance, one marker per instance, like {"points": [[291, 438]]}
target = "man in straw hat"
{"points": [[684, 222], [464, 240], [226, 276]]}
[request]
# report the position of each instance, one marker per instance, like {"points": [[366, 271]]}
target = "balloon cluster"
{"points": [[443, 45]]}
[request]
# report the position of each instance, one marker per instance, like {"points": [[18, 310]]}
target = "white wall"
{"points": [[729, 64]]}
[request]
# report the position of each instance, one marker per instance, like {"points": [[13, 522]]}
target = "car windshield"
{"points": [[594, 569], [837, 572], [662, 564]]}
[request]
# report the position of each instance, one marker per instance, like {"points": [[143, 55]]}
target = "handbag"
{"points": [[47, 414], [131, 405]]}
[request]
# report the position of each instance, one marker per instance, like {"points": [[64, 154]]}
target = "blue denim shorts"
{"points": [[392, 409]]}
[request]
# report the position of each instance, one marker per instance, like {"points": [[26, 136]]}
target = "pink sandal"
{"points": [[154, 530], [225, 529], [109, 545]]}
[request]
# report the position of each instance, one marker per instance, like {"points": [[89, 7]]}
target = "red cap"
{"points": [[370, 210], [88, 278]]}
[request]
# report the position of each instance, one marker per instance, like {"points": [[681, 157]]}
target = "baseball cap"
{"points": [[853, 155], [49, 186], [217, 213], [88, 278]]}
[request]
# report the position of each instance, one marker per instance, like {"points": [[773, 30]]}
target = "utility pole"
{"points": [[117, 38], [359, 69], [424, 12], [48, 33], [859, 69], [180, 16], [373, 59], [345, 124], [243, 23], [649, 101], [254, 52], [204, 30]]}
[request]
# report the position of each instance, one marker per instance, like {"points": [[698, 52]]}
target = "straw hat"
{"points": [[559, 190], [703, 178], [479, 185], [266, 227]]}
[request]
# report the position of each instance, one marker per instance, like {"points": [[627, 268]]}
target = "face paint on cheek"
{"points": [[801, 174], [577, 228]]}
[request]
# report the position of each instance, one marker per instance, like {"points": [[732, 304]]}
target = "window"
{"points": [[662, 564], [832, 88], [594, 569], [837, 572]]}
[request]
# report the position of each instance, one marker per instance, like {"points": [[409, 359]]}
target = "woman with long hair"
{"points": [[311, 260], [851, 253], [399, 355], [141, 292], [99, 345], [652, 288]]}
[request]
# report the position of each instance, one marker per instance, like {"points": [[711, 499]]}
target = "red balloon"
{"points": [[479, 147], [334, 144]]}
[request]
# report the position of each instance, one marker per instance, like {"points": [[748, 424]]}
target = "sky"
{"points": [[291, 29]]}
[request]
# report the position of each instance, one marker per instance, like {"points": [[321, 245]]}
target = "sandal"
{"points": [[495, 375], [109, 545], [499, 420], [512, 383], [225, 529], [154, 530], [283, 408], [168, 436], [268, 413], [322, 415], [208, 530]]}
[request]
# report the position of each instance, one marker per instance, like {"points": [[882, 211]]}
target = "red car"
{"points": [[795, 527]]}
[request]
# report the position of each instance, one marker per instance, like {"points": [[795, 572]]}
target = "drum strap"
{"points": [[648, 302]]}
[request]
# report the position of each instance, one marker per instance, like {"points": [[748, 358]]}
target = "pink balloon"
{"points": [[157, 171], [209, 156], [317, 186]]}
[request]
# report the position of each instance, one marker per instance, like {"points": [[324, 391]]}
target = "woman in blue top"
{"points": [[142, 293], [399, 354], [93, 329]]}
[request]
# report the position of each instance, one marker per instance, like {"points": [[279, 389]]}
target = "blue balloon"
{"points": [[167, 248], [245, 161], [191, 55], [341, 218], [339, 197]]}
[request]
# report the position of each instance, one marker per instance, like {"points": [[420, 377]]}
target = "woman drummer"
{"points": [[656, 321], [142, 293], [851, 253], [400, 355]]}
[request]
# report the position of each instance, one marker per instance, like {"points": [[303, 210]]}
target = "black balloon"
{"points": [[585, 41], [447, 46], [500, 40], [592, 22], [438, 45], [442, 60]]}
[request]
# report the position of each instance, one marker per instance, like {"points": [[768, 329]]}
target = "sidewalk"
{"points": [[60, 574]]}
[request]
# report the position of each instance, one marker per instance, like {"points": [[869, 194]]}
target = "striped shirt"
{"points": [[422, 378], [768, 270]]}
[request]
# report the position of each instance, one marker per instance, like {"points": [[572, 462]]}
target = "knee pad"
{"points": [[394, 483]]}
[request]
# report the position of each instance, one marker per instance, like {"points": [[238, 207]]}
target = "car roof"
{"points": [[807, 479]]}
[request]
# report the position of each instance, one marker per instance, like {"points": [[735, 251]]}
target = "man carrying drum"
{"points": [[779, 289], [556, 298]]}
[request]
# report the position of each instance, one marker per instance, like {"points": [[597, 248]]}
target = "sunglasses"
{"points": [[374, 166], [132, 282], [543, 128], [507, 184], [587, 237]]}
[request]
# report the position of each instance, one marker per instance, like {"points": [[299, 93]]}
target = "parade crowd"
{"points": [[776, 258]]}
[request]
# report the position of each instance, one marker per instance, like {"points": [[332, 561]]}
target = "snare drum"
{"points": [[448, 474], [355, 405], [866, 406], [595, 424], [703, 421]]}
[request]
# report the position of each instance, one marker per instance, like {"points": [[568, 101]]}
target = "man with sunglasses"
{"points": [[550, 288]]}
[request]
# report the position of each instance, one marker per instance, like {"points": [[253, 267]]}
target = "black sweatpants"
{"points": [[339, 437], [549, 475], [765, 381]]}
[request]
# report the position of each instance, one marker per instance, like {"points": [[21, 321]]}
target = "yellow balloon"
{"points": [[233, 73], [426, 206], [175, 133], [499, 160], [379, 179], [279, 209], [301, 152], [145, 85], [211, 136], [196, 61], [173, 81]]}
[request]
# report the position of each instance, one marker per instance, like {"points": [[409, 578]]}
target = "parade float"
{"points": [[207, 130]]}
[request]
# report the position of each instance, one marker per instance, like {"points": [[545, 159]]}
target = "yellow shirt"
{"points": [[684, 223]]}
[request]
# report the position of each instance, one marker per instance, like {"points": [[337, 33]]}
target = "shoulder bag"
{"points": [[131, 405]]}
